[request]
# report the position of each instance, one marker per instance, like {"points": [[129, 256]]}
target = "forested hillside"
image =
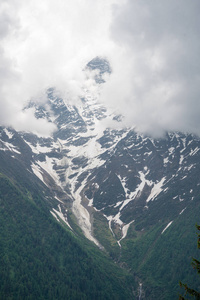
{"points": [[40, 259]]}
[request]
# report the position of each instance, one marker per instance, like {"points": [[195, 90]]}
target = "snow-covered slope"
{"points": [[91, 165]]}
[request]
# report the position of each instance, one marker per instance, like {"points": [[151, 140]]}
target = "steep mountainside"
{"points": [[40, 259], [135, 197]]}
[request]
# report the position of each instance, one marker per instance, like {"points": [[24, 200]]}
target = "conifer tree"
{"points": [[196, 265]]}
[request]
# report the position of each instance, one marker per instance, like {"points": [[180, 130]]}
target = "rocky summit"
{"points": [[130, 194]]}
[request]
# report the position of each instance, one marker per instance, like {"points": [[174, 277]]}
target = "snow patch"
{"points": [[170, 223], [11, 147], [125, 231], [118, 204], [137, 191], [47, 165], [110, 218], [166, 160], [156, 190], [82, 213], [61, 216], [182, 211], [38, 148], [181, 159], [8, 133], [54, 215], [171, 150], [191, 166], [193, 152], [116, 218], [37, 172]]}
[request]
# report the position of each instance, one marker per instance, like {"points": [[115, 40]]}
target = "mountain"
{"points": [[136, 198], [40, 259]]}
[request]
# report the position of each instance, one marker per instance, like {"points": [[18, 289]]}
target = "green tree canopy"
{"points": [[196, 265]]}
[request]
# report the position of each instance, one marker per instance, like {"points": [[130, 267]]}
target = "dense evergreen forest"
{"points": [[40, 259]]}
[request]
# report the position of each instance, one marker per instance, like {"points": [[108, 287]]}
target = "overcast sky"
{"points": [[153, 47]]}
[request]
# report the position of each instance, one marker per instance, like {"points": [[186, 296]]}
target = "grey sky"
{"points": [[153, 47]]}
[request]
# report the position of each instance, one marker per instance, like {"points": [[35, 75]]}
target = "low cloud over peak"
{"points": [[152, 46], [157, 65]]}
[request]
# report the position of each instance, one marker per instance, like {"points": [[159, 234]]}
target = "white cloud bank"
{"points": [[153, 47], [157, 78]]}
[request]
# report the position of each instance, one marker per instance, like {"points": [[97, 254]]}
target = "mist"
{"points": [[152, 46]]}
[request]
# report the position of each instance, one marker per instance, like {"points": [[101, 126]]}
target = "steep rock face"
{"points": [[132, 195], [92, 167]]}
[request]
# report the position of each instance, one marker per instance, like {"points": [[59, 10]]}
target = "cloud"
{"points": [[152, 45], [45, 44], [155, 82]]}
